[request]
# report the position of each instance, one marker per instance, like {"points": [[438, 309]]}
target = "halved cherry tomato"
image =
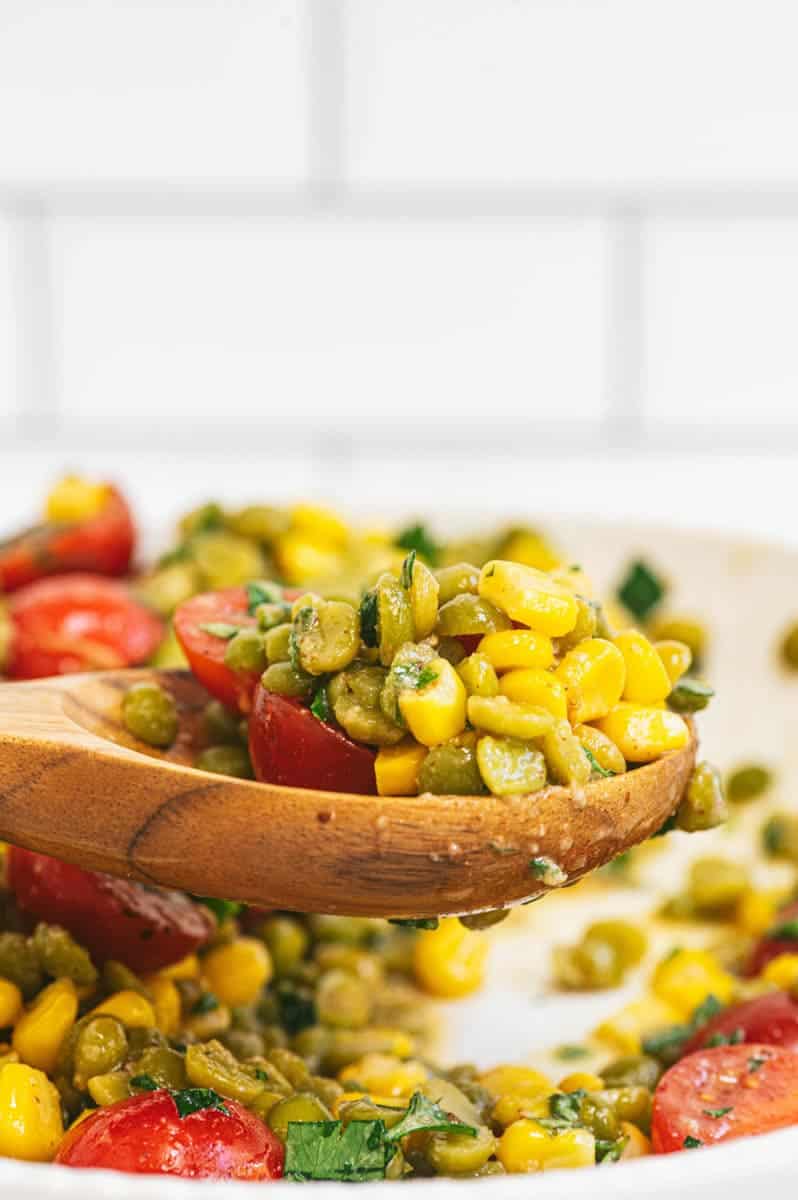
{"points": [[145, 927], [104, 543], [772, 1018], [771, 947], [78, 623], [205, 652], [147, 1136], [290, 746], [728, 1092]]}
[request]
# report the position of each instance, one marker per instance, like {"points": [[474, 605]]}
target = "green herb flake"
{"points": [[717, 1113], [144, 1083], [206, 1003], [610, 1151], [734, 1038], [755, 1063], [547, 871], [191, 1100], [406, 576], [369, 619], [418, 538], [353, 1153], [787, 931], [641, 590], [423, 1113], [320, 706], [566, 1106], [262, 591], [414, 922], [596, 766], [223, 910], [690, 695], [220, 629], [296, 1007], [568, 1052], [425, 676], [691, 1143]]}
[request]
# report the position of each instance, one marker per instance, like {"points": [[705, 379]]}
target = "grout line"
{"points": [[626, 323], [326, 101], [32, 287]]}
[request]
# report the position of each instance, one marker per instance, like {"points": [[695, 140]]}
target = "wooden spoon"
{"points": [[75, 784]]}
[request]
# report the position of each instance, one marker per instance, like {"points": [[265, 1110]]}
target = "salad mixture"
{"points": [[155, 1032]]}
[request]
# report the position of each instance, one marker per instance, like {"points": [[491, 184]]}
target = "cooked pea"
{"points": [[227, 560], [303, 1106], [510, 767], [598, 1115], [260, 522], [211, 1065], [61, 956], [587, 620], [220, 724], [690, 695], [478, 675], [101, 1047], [630, 1104], [591, 964], [326, 1090], [424, 589], [779, 839], [703, 805], [504, 718], [290, 1067], [19, 963], [150, 714], [355, 698], [365, 1109], [450, 770], [394, 617], [460, 1153], [140, 1038], [468, 615], [342, 1000], [327, 636], [789, 648], [287, 941], [352, 931], [243, 1043], [457, 580], [682, 629], [635, 1070], [566, 760], [270, 615], [716, 884], [748, 783], [277, 642], [169, 586], [284, 679], [207, 517], [110, 1088], [452, 650], [226, 760], [166, 1066], [628, 939], [245, 651], [485, 920], [205, 1023]]}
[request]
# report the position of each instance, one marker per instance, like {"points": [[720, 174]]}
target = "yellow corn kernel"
{"points": [[756, 910], [30, 1114], [320, 524], [593, 675], [520, 1081], [531, 685], [508, 649], [76, 499], [396, 768], [625, 1029], [566, 760], [642, 733], [529, 596], [676, 658], [109, 1088], [579, 1080], [436, 712], [450, 961], [686, 978], [238, 971], [385, 1075], [605, 752], [301, 560], [637, 1144], [129, 1007], [166, 1002], [532, 549], [513, 1106], [10, 1003], [647, 681], [527, 1146], [184, 968], [781, 970], [575, 579], [39, 1032]]}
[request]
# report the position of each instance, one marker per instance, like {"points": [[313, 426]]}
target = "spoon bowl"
{"points": [[75, 784]]}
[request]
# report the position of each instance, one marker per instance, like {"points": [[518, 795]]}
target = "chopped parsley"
{"points": [[596, 766], [414, 922], [755, 1063], [144, 1083], [690, 695], [547, 871], [206, 1003], [668, 1043], [220, 629], [423, 1113], [223, 910], [406, 576], [717, 1113], [568, 1052], [369, 619], [320, 705], [262, 592], [418, 538], [787, 931], [691, 1143], [426, 676], [352, 1153], [610, 1151], [641, 590], [733, 1038], [296, 1006], [191, 1100]]}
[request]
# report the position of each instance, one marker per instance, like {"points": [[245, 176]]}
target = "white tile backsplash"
{"points": [[153, 89], [722, 318], [332, 327], [564, 91]]}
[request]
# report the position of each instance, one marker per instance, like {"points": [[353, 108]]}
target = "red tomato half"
{"points": [[146, 928], [103, 544], [771, 947], [724, 1093], [772, 1019], [205, 652], [78, 623], [147, 1136], [290, 746]]}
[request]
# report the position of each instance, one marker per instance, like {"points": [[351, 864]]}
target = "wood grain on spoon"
{"points": [[75, 784]]}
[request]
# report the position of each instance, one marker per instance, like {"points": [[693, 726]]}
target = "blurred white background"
{"points": [[495, 251]]}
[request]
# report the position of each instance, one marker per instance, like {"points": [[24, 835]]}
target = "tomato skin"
{"points": [[205, 653], [771, 1019], [291, 747], [760, 1100], [103, 544], [146, 1136], [147, 928], [78, 622], [770, 947]]}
